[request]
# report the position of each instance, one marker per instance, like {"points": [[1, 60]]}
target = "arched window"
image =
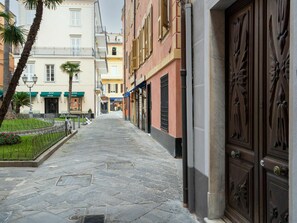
{"points": [[114, 51]]}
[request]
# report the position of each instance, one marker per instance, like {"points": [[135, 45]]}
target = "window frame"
{"points": [[75, 17], [51, 70]]}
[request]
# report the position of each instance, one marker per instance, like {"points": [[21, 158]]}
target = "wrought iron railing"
{"points": [[58, 51]]}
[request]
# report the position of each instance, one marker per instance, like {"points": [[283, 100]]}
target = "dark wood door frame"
{"points": [[257, 119]]}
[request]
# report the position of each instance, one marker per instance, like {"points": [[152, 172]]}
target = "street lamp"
{"points": [[30, 83]]}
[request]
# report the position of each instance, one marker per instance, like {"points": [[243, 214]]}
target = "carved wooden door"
{"points": [[257, 119]]}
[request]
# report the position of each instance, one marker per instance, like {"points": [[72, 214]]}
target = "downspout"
{"points": [[125, 62], [189, 90], [183, 74]]}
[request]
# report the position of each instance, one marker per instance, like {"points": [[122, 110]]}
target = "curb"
{"points": [[40, 159]]}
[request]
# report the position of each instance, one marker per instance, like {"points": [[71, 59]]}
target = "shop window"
{"points": [[75, 104], [164, 102]]}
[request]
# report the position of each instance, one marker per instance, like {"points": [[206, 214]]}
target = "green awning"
{"points": [[33, 94], [1, 93], [75, 94], [50, 94]]}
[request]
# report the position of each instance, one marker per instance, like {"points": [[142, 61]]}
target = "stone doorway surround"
{"points": [[215, 107]]}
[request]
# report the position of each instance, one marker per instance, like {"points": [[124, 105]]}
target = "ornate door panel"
{"points": [[276, 110], [257, 118], [240, 150]]}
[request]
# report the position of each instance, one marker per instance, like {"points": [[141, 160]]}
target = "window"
{"points": [[29, 72], [113, 88], [114, 51], [164, 102], [75, 78], [163, 19], [50, 73], [75, 44], [75, 17]]}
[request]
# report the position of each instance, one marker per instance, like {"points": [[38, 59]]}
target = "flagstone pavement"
{"points": [[108, 168]]}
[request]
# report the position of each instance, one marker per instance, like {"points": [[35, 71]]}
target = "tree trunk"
{"points": [[69, 92], [23, 60], [7, 47], [17, 109]]}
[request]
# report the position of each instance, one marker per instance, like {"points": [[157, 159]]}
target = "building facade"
{"points": [[113, 87], [11, 59], [73, 32], [241, 102], [152, 69]]}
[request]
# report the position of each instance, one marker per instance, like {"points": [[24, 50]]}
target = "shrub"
{"points": [[9, 139]]}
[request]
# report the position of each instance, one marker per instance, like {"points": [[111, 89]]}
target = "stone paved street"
{"points": [[109, 168]]}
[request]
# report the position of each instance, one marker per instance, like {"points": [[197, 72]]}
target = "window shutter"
{"points": [[134, 55], [146, 49], [116, 88], [122, 88], [160, 28], [164, 15], [108, 88], [150, 31]]}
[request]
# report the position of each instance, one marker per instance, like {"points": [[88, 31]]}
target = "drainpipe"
{"points": [[190, 142], [183, 74], [125, 62]]}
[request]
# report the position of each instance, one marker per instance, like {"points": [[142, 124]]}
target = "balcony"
{"points": [[101, 62], [100, 34], [58, 51]]}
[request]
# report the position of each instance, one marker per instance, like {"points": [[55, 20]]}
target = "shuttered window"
{"points": [[163, 18], [164, 102]]}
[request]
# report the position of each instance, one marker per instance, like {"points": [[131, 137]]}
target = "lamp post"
{"points": [[30, 83]]}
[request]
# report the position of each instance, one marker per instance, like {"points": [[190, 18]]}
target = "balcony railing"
{"points": [[60, 51], [100, 29]]}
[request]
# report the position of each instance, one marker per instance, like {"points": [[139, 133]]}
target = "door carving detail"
{"points": [[239, 78], [279, 74]]}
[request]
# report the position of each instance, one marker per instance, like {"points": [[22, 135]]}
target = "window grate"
{"points": [[164, 103]]}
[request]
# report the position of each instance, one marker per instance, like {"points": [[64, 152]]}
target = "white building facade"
{"points": [[73, 32]]}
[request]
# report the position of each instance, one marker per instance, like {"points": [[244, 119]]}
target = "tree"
{"points": [[20, 99], [71, 69], [30, 4]]}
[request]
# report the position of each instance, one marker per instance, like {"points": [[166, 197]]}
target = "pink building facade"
{"points": [[152, 69]]}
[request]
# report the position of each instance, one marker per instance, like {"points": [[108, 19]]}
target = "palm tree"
{"points": [[20, 99], [30, 4], [71, 69]]}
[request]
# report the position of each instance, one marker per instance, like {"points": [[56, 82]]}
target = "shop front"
{"points": [[51, 102], [116, 104]]}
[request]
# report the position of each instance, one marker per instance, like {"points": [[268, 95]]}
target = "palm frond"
{"points": [[13, 34], [52, 4], [5, 15]]}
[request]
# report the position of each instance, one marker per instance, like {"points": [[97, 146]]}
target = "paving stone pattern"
{"points": [[109, 168]]}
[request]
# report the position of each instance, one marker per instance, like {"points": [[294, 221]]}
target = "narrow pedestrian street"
{"points": [[108, 168]]}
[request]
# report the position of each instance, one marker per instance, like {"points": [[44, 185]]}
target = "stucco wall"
{"points": [[85, 83]]}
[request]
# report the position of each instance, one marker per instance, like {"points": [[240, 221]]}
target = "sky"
{"points": [[111, 11]]}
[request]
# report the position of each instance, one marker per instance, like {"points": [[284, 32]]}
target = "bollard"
{"points": [[78, 118], [73, 124], [66, 127]]}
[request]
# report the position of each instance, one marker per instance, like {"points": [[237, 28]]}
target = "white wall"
{"points": [[85, 83], [55, 27]]}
